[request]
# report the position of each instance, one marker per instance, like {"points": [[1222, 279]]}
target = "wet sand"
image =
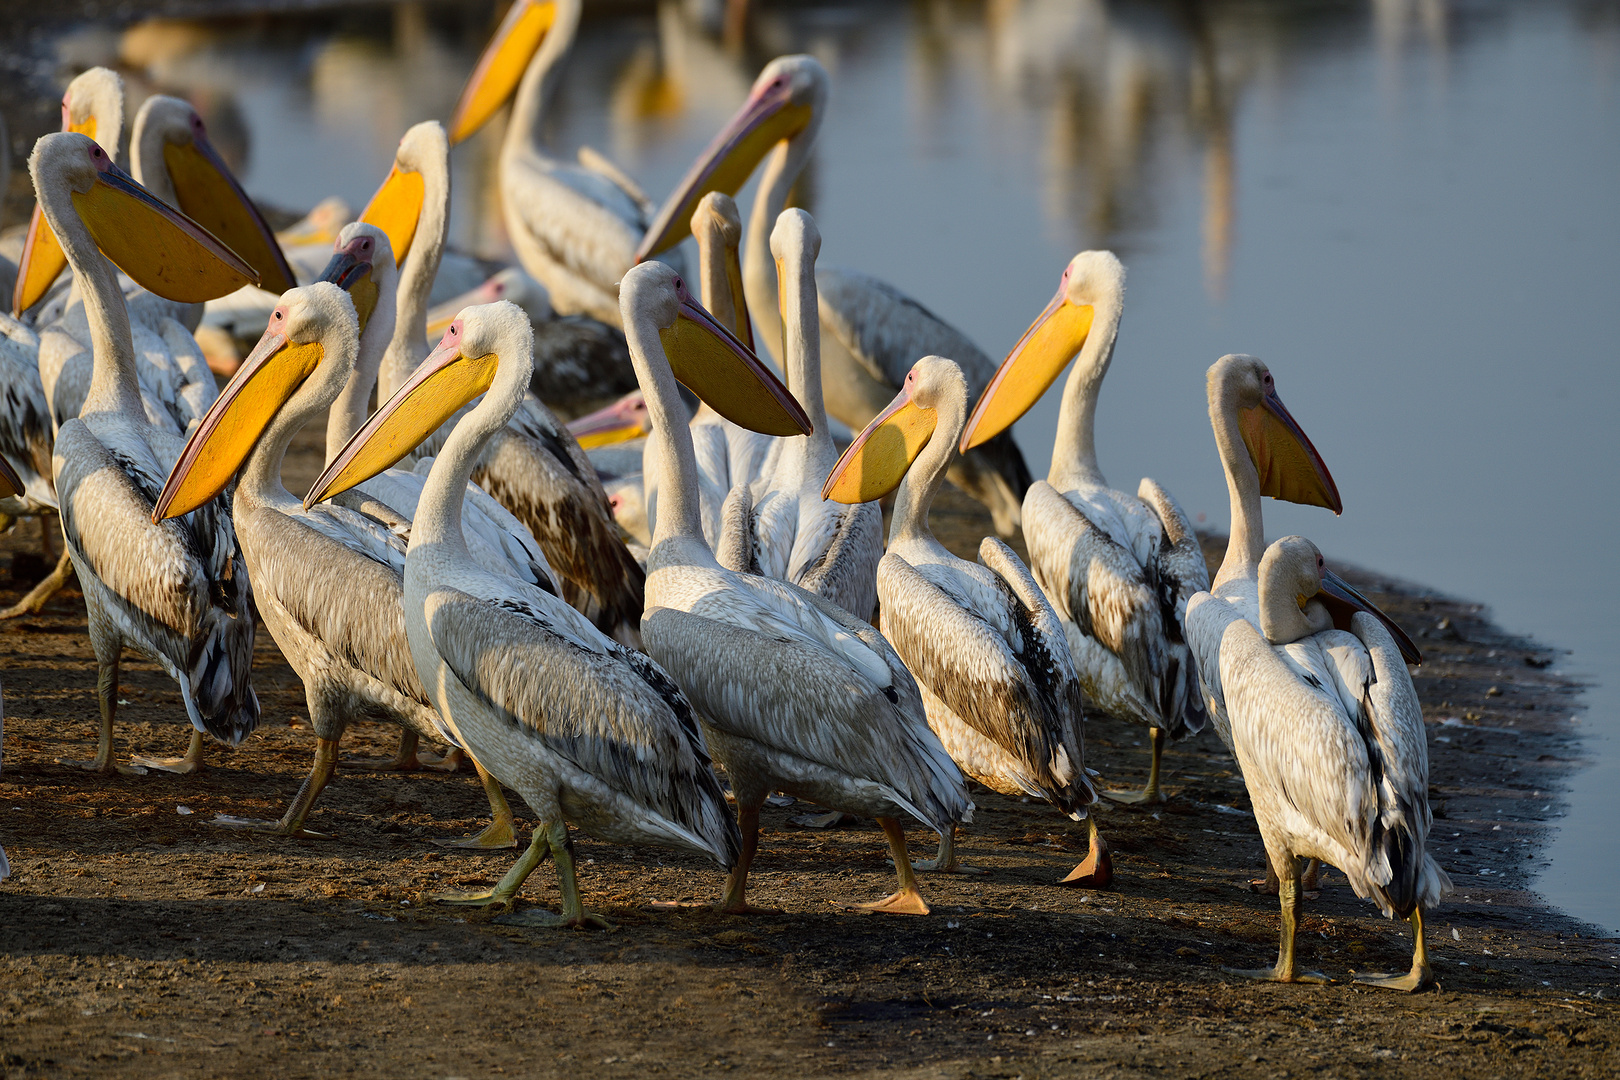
{"points": [[139, 940]]}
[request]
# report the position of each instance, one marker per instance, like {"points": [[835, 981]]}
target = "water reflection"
{"points": [[1355, 190]]}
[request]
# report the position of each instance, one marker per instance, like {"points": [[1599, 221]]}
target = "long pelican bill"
{"points": [[877, 460], [1289, 466], [621, 421], [768, 117], [271, 374], [501, 67], [1343, 601], [43, 258], [209, 195], [396, 208], [1033, 365], [724, 372], [163, 250], [444, 382], [10, 483]]}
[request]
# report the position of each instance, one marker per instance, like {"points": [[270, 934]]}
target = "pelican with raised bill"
{"points": [[795, 694], [871, 332], [1329, 733], [332, 576], [175, 591], [983, 642], [574, 227], [589, 731], [1119, 568], [783, 527]]}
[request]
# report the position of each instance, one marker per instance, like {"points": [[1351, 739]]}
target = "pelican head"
{"points": [[174, 158], [1093, 283], [1300, 596], [528, 25], [164, 251], [707, 357], [396, 208], [717, 227], [1289, 466], [786, 104], [880, 456], [93, 105], [301, 363], [487, 349], [362, 265], [621, 421]]}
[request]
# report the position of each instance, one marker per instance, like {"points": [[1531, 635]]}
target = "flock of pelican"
{"points": [[460, 570]]}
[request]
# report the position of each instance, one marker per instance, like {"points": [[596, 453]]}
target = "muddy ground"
{"points": [[139, 939]]}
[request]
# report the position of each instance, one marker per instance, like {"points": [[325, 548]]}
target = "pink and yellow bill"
{"points": [[880, 456], [501, 67]]}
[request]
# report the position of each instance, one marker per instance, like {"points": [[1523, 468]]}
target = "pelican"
{"points": [[364, 266], [173, 158], [175, 592], [586, 729], [1328, 731], [533, 467], [329, 578], [871, 332], [93, 105], [791, 531], [795, 694], [1119, 568], [574, 227], [728, 455], [983, 642]]}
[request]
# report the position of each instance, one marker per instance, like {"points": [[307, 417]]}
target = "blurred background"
{"points": [[1406, 207]]}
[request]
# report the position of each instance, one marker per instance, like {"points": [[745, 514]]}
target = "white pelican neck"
{"points": [[782, 168], [1074, 451], [676, 460], [1245, 546], [539, 82], [348, 413], [429, 155], [915, 496]]}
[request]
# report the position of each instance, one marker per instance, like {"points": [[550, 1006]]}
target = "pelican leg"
{"points": [[404, 759], [41, 594], [452, 761], [292, 822], [945, 862], [1287, 969], [505, 891], [501, 832], [905, 900], [735, 900], [107, 697], [1151, 793], [1096, 871], [1308, 881], [192, 762], [573, 914], [1420, 976]]}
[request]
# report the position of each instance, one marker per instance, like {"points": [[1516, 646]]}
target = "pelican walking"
{"points": [[177, 591], [1329, 733], [795, 694], [871, 331], [1118, 568], [981, 639], [790, 531], [330, 577], [588, 730]]}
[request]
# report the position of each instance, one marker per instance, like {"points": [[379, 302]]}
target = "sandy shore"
{"points": [[137, 939]]}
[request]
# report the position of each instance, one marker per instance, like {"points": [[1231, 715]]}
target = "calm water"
{"points": [[1407, 207]]}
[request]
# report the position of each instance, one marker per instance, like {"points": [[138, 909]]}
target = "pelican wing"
{"points": [[980, 672], [1099, 588], [811, 704], [1179, 564], [734, 546], [580, 219], [888, 331], [1306, 763], [613, 714], [497, 541], [26, 430], [845, 570]]}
